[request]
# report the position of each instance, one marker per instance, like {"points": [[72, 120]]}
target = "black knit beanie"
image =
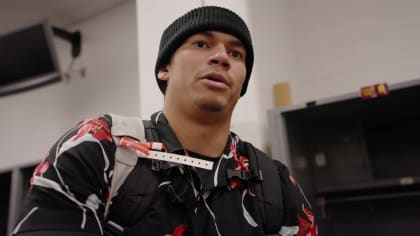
{"points": [[199, 20]]}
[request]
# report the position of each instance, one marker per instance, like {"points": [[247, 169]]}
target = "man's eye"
{"points": [[201, 44], [236, 54]]}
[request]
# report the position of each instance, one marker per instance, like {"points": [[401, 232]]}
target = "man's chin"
{"points": [[211, 107], [213, 103]]}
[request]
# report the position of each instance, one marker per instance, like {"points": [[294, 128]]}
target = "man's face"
{"points": [[206, 71]]}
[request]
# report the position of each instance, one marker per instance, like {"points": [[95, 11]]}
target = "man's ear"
{"points": [[163, 73]]}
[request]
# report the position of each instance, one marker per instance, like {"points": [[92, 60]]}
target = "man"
{"points": [[203, 67]]}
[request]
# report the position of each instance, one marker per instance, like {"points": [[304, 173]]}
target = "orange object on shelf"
{"points": [[374, 91]]}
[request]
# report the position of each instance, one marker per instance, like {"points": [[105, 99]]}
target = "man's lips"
{"points": [[216, 78]]}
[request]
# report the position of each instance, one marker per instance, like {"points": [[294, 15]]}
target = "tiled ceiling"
{"points": [[62, 13]]}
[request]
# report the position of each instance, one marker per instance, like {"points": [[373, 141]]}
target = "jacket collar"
{"points": [[168, 137], [166, 134]]}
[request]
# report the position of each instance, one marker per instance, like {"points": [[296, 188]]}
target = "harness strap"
{"points": [[258, 187], [125, 158], [150, 131], [128, 126]]}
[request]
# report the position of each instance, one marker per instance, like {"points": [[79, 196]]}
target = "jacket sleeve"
{"points": [[70, 186], [299, 219]]}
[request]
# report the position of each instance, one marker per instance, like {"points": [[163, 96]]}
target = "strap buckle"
{"points": [[254, 174], [238, 174], [160, 165]]}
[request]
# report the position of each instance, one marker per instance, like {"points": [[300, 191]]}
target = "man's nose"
{"points": [[220, 57]]}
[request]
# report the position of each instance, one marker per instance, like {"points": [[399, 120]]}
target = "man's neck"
{"points": [[201, 133]]}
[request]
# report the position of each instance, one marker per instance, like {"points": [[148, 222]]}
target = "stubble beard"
{"points": [[209, 106]]}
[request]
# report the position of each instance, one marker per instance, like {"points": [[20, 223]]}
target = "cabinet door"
{"points": [[339, 155]]}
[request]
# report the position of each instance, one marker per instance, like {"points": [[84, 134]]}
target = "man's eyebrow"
{"points": [[237, 43], [233, 42]]}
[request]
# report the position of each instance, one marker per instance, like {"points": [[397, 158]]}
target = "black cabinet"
{"points": [[4, 201], [357, 159], [14, 186]]}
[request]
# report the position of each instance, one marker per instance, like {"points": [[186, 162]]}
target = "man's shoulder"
{"points": [[250, 149], [264, 160]]}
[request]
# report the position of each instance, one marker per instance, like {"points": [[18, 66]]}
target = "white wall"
{"points": [[340, 45], [32, 121]]}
